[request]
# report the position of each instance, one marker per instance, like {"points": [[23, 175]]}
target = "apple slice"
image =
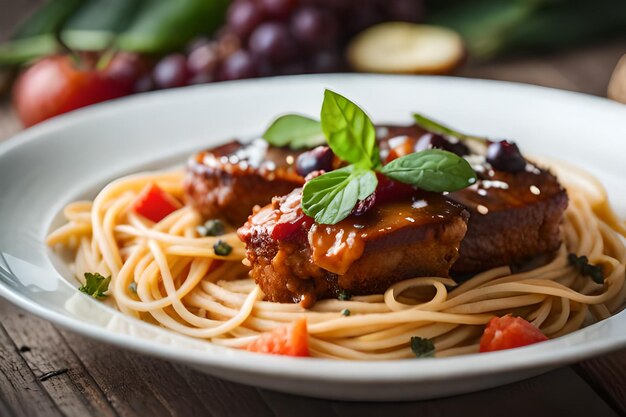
{"points": [[406, 48]]}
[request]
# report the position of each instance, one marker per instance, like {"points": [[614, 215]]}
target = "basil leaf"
{"points": [[436, 127], [422, 348], [350, 132], [295, 131], [331, 197], [95, 285], [432, 170]]}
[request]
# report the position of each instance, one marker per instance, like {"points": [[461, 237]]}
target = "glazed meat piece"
{"points": [[514, 216], [228, 181], [295, 260]]}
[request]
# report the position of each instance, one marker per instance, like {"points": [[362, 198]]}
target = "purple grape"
{"points": [[292, 69], [126, 68], [278, 9], [433, 140], [171, 71], [243, 17], [362, 17], [334, 5], [201, 79], [272, 42], [314, 27], [317, 159], [265, 68], [505, 156], [404, 10], [363, 206], [202, 60], [143, 84], [326, 61], [238, 66]]}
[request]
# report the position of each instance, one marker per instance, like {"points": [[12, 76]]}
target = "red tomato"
{"points": [[154, 204], [290, 340], [55, 85], [509, 332]]}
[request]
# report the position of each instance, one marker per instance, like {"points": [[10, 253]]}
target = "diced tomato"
{"points": [[290, 224], [155, 204], [509, 332], [290, 340]]}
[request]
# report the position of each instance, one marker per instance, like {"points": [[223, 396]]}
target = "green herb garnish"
{"points": [[222, 248], [431, 170], [331, 197], [436, 127], [581, 263], [350, 132], [213, 227], [295, 131], [422, 348], [95, 285], [345, 312], [133, 287], [343, 295]]}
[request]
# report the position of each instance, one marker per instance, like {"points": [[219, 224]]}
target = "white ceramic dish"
{"points": [[70, 157]]}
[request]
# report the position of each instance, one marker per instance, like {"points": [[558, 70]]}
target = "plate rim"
{"points": [[313, 368]]}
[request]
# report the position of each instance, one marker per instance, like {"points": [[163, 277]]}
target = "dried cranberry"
{"points": [[433, 140], [363, 206], [318, 159], [505, 156]]}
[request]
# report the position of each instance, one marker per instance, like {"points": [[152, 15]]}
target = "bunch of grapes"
{"points": [[277, 37]]}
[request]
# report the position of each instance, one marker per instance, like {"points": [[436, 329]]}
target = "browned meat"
{"points": [[228, 181], [513, 217], [294, 260]]}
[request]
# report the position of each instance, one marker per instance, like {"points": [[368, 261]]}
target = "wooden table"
{"points": [[47, 371]]}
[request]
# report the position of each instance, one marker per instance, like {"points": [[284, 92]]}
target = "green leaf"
{"points": [[295, 131], [432, 170], [331, 197], [436, 127], [350, 132], [95, 285], [422, 348]]}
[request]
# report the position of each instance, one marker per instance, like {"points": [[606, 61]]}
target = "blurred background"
{"points": [[59, 55]]}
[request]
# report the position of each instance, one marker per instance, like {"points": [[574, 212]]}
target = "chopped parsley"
{"points": [[422, 348], [343, 295], [345, 312], [133, 287], [213, 227], [222, 248], [581, 263], [95, 285]]}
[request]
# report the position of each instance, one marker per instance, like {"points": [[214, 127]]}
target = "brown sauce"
{"points": [[336, 247]]}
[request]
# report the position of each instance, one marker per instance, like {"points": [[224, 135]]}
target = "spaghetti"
{"points": [[166, 274]]}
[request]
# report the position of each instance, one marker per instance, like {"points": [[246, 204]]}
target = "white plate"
{"points": [[70, 157]]}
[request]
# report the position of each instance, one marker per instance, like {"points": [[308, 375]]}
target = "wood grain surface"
{"points": [[47, 371]]}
